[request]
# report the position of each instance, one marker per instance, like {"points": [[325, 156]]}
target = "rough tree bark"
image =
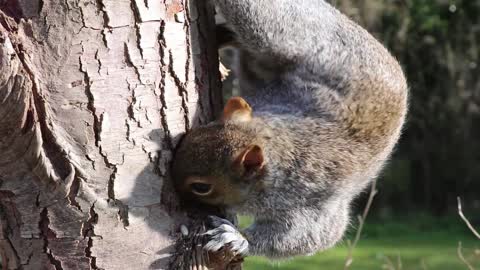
{"points": [[94, 95]]}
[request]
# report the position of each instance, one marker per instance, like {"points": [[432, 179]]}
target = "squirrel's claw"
{"points": [[225, 235]]}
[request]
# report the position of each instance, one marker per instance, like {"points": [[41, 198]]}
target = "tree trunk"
{"points": [[94, 95]]}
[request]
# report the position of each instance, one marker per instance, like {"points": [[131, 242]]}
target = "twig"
{"points": [[388, 263], [361, 221], [469, 225], [424, 264], [460, 255]]}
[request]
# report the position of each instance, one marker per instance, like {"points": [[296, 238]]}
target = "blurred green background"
{"points": [[406, 242], [413, 223]]}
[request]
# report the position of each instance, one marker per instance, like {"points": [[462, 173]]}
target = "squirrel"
{"points": [[308, 137]]}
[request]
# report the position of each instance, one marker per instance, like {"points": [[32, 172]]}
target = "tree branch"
{"points": [[472, 229], [462, 258], [469, 225]]}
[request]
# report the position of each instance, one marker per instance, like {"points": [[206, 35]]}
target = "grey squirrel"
{"points": [[307, 138]]}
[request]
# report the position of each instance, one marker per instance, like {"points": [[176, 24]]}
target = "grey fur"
{"points": [[329, 103]]}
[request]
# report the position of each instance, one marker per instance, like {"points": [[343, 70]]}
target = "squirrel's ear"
{"points": [[237, 109], [251, 159]]}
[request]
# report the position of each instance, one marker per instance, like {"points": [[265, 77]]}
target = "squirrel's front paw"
{"points": [[225, 235]]}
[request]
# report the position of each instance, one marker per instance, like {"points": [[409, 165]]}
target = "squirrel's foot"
{"points": [[225, 235]]}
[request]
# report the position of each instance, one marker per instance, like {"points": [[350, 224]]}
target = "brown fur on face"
{"points": [[227, 156]]}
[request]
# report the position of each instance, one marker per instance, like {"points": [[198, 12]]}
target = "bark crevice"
{"points": [[91, 100], [88, 231], [46, 233], [163, 73], [106, 19], [129, 62], [122, 208], [73, 189], [182, 90], [188, 49], [137, 20]]}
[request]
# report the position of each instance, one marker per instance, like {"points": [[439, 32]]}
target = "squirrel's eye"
{"points": [[201, 189]]}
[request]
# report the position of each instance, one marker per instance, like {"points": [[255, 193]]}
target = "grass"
{"points": [[408, 243]]}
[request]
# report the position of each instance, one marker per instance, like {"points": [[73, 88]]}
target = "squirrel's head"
{"points": [[221, 163]]}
